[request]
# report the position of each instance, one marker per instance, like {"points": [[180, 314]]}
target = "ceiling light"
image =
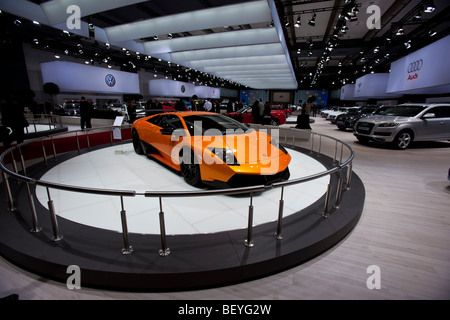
{"points": [[109, 66], [432, 33], [430, 7], [170, 36], [298, 23], [57, 56], [155, 38], [312, 22], [407, 44], [400, 32]]}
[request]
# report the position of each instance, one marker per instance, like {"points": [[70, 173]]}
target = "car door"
{"points": [[436, 127], [166, 140]]}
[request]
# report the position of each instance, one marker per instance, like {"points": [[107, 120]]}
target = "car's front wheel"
{"points": [[274, 122], [189, 167], [403, 140], [137, 143]]}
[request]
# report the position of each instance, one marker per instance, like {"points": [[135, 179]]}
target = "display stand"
{"points": [[117, 134]]}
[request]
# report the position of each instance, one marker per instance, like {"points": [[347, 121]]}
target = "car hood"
{"points": [[249, 147], [381, 118]]}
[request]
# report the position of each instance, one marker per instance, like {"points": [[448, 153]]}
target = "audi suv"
{"points": [[403, 124]]}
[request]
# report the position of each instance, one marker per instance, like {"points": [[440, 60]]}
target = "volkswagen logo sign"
{"points": [[110, 80], [415, 66]]}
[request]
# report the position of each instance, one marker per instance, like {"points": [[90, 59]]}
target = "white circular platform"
{"points": [[120, 168]]}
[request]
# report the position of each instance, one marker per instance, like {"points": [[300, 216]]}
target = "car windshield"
{"points": [[242, 110], [402, 111], [213, 124]]}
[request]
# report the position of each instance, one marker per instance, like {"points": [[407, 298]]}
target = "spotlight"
{"points": [[155, 38], [170, 36], [430, 7], [57, 56], [312, 22], [400, 32], [407, 44], [432, 33], [298, 23]]}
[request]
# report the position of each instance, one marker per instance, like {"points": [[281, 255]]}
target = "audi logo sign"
{"points": [[415, 66]]}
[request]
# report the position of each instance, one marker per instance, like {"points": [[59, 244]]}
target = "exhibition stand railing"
{"points": [[317, 145]]}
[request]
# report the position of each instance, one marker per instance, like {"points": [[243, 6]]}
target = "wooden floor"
{"points": [[404, 230]]}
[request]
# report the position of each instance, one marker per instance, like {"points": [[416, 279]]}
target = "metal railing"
{"points": [[311, 142]]}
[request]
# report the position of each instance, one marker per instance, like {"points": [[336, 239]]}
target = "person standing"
{"points": [[303, 120], [132, 111], [13, 117], [255, 112], [85, 114]]}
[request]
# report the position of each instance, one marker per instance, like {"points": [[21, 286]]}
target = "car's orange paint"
{"points": [[253, 151]]}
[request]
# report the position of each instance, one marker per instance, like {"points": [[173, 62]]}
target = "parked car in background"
{"points": [[244, 115], [331, 116], [71, 108], [403, 124], [287, 111], [348, 120]]}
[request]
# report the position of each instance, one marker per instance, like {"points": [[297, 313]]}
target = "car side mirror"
{"points": [[429, 115]]}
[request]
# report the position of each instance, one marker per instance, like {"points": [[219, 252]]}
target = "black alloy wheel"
{"points": [[189, 167], [137, 145]]}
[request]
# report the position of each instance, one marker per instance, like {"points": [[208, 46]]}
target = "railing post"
{"points": [[278, 235], [87, 139], [164, 251], [312, 143], [339, 190], [35, 226], [78, 142], [335, 153], [327, 200], [56, 235], [54, 149], [349, 175], [249, 242], [43, 151], [320, 147], [11, 204], [127, 249]]}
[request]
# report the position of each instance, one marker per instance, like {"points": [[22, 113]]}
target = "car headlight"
{"points": [[226, 155], [276, 144], [388, 125]]}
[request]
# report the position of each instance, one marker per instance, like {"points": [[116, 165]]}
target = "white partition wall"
{"points": [[373, 86], [75, 77], [425, 71], [170, 88]]}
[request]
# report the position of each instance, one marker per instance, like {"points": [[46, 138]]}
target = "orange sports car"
{"points": [[211, 149]]}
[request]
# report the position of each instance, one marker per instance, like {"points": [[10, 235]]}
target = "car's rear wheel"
{"points": [[189, 167], [403, 140], [137, 145], [274, 122]]}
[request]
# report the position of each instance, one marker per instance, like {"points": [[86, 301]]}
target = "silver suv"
{"points": [[406, 123]]}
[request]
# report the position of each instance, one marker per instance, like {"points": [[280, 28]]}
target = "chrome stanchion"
{"points": [[22, 162], [127, 248], [43, 152], [78, 142], [249, 242], [320, 147], [54, 149], [87, 139], [164, 251], [278, 235], [335, 153], [337, 204], [11, 204], [327, 200], [56, 235], [35, 226], [349, 175], [312, 143]]}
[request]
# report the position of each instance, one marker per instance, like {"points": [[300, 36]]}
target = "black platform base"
{"points": [[195, 261]]}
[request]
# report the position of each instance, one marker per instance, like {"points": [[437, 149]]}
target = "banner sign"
{"points": [[170, 88], [75, 77], [372, 86], [425, 71], [204, 92]]}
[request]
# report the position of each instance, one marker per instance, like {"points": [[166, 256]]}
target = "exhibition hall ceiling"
{"points": [[262, 44]]}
